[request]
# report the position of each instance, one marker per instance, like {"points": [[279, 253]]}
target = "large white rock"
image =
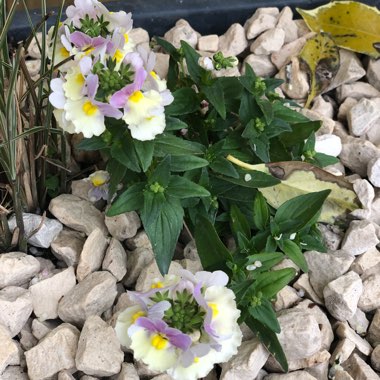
{"points": [[17, 268], [93, 296], [342, 296], [373, 171], [47, 293], [15, 308], [296, 375], [139, 35], [67, 246], [342, 352], [363, 116], [99, 352], [286, 23], [269, 42], [233, 41], [247, 363], [366, 261], [182, 31], [373, 335], [77, 213], [359, 322], [46, 229], [123, 226], [128, 372], [261, 65], [286, 298], [259, 22], [115, 260], [328, 144], [9, 352], [92, 254], [370, 298], [356, 90], [14, 372], [209, 43]]}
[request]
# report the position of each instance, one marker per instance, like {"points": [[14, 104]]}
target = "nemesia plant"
{"points": [[183, 325]]}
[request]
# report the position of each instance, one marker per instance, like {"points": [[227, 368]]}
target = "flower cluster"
{"points": [[104, 75], [183, 325]]}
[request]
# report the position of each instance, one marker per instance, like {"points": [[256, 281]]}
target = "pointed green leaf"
{"points": [[185, 101], [144, 150], [239, 222], [260, 212], [266, 315], [293, 251], [215, 95], [180, 187], [131, 199]]}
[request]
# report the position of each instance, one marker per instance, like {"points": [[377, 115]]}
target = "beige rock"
{"points": [[138, 259], [17, 268], [144, 371], [229, 72], [14, 372], [268, 42], [258, 23], [261, 65], [190, 251], [139, 35], [27, 339], [328, 124], [363, 116], [366, 261], [370, 298], [342, 352], [332, 236], [47, 293], [375, 358], [191, 265], [373, 171], [182, 31], [9, 353], [81, 187], [41, 329], [286, 298], [302, 27], [209, 43], [67, 246], [342, 295], [320, 371], [345, 107], [128, 372], [93, 296], [359, 322], [286, 23], [92, 254], [123, 226], [247, 363], [34, 50], [374, 330], [115, 260], [141, 240], [151, 272], [326, 267], [359, 369], [373, 73], [162, 65], [345, 331], [54, 353], [342, 375], [356, 90], [78, 214], [15, 308], [65, 375], [233, 41], [323, 107], [99, 352], [303, 285], [297, 375]]}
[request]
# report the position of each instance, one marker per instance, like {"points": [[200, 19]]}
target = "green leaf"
{"points": [[266, 315], [192, 58], [118, 172], [162, 218], [169, 144], [174, 124], [270, 283], [287, 114], [215, 95], [301, 131], [185, 101], [239, 222], [161, 173], [169, 48], [260, 212], [93, 143], [211, 250], [269, 339], [222, 166], [180, 187], [254, 180], [299, 211], [293, 251], [266, 109], [144, 150], [248, 108], [131, 199], [322, 160], [185, 163], [124, 151]]}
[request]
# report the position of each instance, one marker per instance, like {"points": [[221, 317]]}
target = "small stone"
{"points": [[229, 72], [365, 192], [65, 375], [326, 267], [286, 298], [332, 236], [139, 35], [370, 298], [99, 352], [42, 230], [41, 329], [162, 65], [209, 43], [76, 213], [342, 296], [268, 42], [258, 23], [359, 369], [302, 27], [323, 107], [141, 240], [328, 124], [345, 331], [356, 90], [342, 352], [67, 246], [17, 268], [328, 144], [151, 272], [357, 153], [360, 237], [373, 335], [144, 371], [92, 254], [27, 339], [93, 296], [138, 259], [115, 260], [128, 372], [14, 372], [47, 293], [297, 375], [366, 261], [303, 284], [286, 23], [81, 187], [359, 322], [190, 251], [342, 375], [123, 226], [15, 308], [9, 353], [193, 266], [233, 41], [247, 363], [182, 31], [320, 371], [261, 65], [54, 353], [363, 116], [34, 50], [373, 73], [375, 358], [373, 171], [345, 107]]}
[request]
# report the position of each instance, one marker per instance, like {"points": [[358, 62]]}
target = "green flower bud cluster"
{"points": [[222, 62], [260, 124], [156, 188], [94, 28], [259, 86], [185, 314]]}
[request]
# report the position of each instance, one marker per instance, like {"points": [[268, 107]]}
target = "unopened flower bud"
{"points": [[206, 63]]}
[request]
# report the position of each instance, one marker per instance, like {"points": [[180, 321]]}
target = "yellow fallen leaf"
{"points": [[299, 178], [321, 56], [352, 25]]}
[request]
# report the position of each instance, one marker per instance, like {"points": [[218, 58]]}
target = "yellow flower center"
{"points": [[136, 96], [89, 51], [154, 75], [196, 360], [159, 342], [98, 181], [137, 315], [64, 52], [79, 79], [118, 55], [157, 285], [89, 109], [126, 38], [214, 308]]}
